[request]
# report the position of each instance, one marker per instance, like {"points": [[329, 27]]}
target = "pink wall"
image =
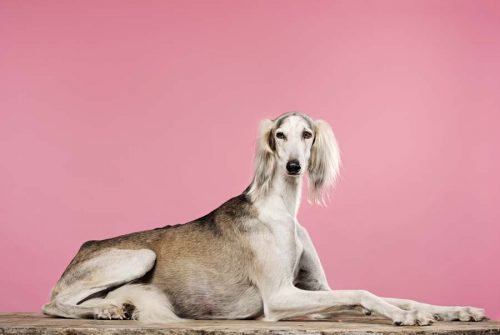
{"points": [[121, 116]]}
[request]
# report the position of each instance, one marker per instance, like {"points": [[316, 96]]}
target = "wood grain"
{"points": [[35, 324]]}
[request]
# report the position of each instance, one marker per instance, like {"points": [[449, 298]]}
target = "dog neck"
{"points": [[289, 190]]}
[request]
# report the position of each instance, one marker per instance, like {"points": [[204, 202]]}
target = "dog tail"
{"points": [[146, 302]]}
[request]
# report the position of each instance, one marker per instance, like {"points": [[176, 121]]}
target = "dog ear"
{"points": [[265, 160], [324, 162]]}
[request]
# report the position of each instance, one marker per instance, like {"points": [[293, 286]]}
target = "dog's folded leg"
{"points": [[74, 295]]}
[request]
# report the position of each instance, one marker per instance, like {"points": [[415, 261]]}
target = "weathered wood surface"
{"points": [[352, 324]]}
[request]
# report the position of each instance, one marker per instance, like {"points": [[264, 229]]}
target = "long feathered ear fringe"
{"points": [[324, 163], [265, 161]]}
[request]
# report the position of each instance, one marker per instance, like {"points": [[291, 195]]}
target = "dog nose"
{"points": [[293, 166]]}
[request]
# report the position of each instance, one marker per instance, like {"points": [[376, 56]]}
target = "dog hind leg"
{"points": [[72, 295]]}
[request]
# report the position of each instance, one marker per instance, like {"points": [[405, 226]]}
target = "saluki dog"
{"points": [[248, 259]]}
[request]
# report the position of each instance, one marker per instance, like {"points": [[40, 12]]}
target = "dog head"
{"points": [[292, 145]]}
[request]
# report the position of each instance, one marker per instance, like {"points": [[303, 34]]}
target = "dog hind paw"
{"points": [[112, 312]]}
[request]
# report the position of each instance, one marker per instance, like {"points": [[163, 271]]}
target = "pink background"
{"points": [[120, 116]]}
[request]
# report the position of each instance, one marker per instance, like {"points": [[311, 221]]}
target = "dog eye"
{"points": [[280, 135], [307, 135]]}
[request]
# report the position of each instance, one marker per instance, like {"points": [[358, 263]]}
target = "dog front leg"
{"points": [[292, 302], [311, 275]]}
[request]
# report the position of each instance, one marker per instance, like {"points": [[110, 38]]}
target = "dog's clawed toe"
{"points": [[437, 317], [128, 311]]}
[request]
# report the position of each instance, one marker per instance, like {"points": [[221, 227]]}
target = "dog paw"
{"points": [[461, 314], [470, 314], [414, 318], [112, 312]]}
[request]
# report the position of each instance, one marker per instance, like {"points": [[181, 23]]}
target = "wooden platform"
{"points": [[37, 324]]}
